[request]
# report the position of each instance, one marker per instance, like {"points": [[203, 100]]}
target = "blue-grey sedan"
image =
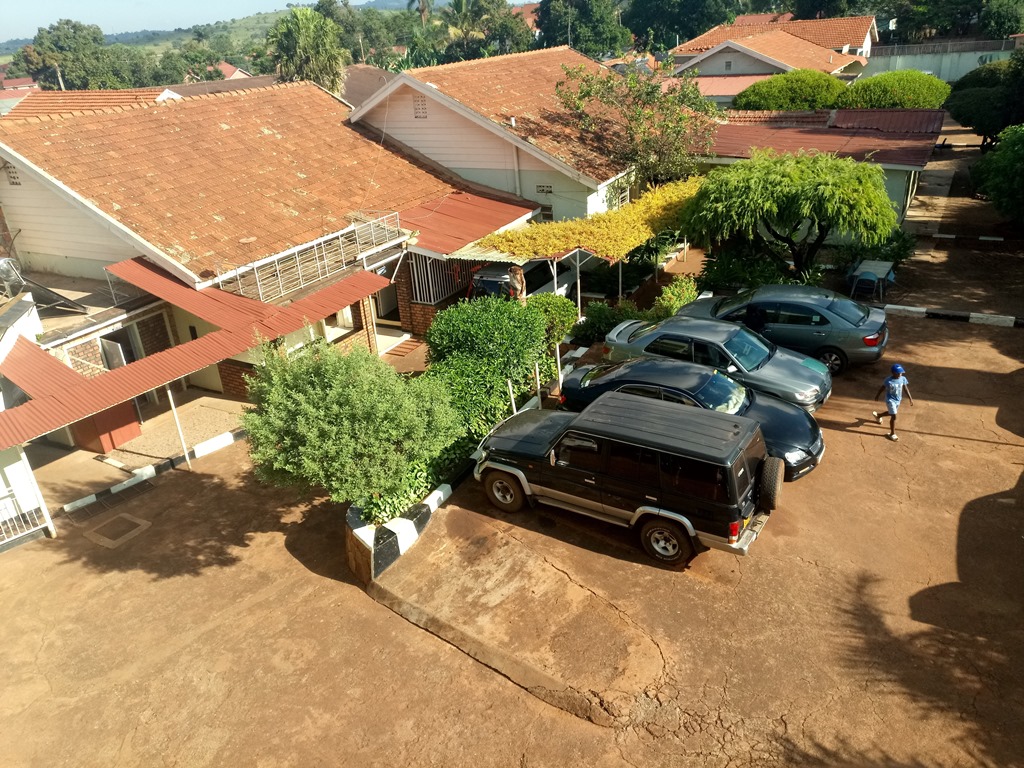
{"points": [[814, 321], [744, 355]]}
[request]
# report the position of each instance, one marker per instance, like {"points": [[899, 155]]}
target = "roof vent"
{"points": [[512, 121], [830, 58]]}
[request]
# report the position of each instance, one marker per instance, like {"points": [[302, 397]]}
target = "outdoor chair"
{"points": [[867, 282]]}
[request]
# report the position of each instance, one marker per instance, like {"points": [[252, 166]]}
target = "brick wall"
{"points": [[153, 334], [232, 373], [403, 289], [86, 358]]}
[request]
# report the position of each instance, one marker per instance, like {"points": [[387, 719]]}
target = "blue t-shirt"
{"points": [[894, 389]]}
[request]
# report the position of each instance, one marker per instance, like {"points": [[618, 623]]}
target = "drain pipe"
{"points": [[177, 423]]}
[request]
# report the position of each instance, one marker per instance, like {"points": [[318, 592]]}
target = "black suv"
{"points": [[687, 479]]}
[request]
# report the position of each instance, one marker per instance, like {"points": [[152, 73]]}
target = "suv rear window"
{"points": [[695, 478]]}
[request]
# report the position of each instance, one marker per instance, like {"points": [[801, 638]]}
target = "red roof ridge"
{"points": [[491, 59]]}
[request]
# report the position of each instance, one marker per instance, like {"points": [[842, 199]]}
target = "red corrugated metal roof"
{"points": [[37, 372], [891, 120], [223, 309], [459, 219], [89, 396]]}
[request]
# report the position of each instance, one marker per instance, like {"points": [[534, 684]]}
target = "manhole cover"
{"points": [[117, 528]]}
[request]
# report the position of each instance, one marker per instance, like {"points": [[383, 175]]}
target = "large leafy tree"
{"points": [[466, 23], [901, 89], [656, 126], [798, 89], [1002, 18], [819, 9], [662, 24], [590, 26], [796, 201], [306, 47], [62, 55], [1001, 173], [507, 31], [423, 8], [990, 98], [348, 424]]}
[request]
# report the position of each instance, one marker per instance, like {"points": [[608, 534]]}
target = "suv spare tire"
{"points": [[773, 472]]}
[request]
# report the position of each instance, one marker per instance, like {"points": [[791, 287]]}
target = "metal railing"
{"points": [[312, 262], [434, 280], [16, 522], [948, 46]]}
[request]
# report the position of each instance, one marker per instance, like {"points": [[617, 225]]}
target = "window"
{"points": [[636, 389], [728, 66], [795, 314], [709, 354], [12, 175], [623, 197], [547, 213], [694, 478], [671, 346], [419, 106], [544, 189], [632, 463], [579, 452], [537, 277], [673, 397]]}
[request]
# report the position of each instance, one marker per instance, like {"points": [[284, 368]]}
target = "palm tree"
{"points": [[465, 20], [423, 8], [305, 47]]}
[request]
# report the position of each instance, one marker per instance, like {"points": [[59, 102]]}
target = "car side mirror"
{"points": [[551, 457], [731, 369]]}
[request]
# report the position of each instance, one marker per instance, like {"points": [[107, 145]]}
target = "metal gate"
{"points": [[17, 521]]}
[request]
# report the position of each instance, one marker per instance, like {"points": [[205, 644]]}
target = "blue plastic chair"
{"points": [[866, 281]]}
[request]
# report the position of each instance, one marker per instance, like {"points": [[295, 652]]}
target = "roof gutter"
{"points": [[109, 222]]}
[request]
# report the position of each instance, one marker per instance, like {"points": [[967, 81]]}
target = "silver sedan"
{"points": [[741, 353]]}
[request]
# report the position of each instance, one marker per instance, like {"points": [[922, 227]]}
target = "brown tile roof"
{"points": [[529, 13], [828, 33], [362, 81], [726, 85], [796, 52], [65, 102], [522, 86], [863, 134], [231, 178]]}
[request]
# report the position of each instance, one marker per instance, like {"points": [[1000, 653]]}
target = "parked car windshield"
{"points": [[749, 350], [597, 373], [851, 311], [642, 329], [721, 393]]}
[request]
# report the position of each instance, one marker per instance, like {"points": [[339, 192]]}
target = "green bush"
{"points": [[601, 318], [901, 89], [508, 333], [983, 110], [898, 248], [681, 291], [560, 316], [748, 265], [1002, 173], [986, 76], [348, 424], [798, 89]]}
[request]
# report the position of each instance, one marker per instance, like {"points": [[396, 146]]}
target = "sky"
{"points": [[21, 18]]}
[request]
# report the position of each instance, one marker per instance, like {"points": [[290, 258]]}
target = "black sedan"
{"points": [[790, 433]]}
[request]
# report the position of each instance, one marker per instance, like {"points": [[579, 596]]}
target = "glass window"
{"points": [[797, 314], [671, 346], [730, 304], [675, 397], [635, 389], [748, 349], [720, 393], [579, 452], [708, 354], [852, 312], [537, 277], [695, 478], [632, 463]]}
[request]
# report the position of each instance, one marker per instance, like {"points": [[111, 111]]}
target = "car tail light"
{"points": [[561, 399], [734, 532], [606, 350], [873, 339]]}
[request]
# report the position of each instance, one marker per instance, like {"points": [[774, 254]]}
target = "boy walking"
{"points": [[893, 387]]}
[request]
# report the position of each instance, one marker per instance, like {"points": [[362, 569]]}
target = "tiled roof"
{"points": [[87, 396], [65, 102], [522, 86], [923, 121], [796, 52], [232, 178], [828, 33], [362, 81], [726, 85], [529, 13], [16, 82]]}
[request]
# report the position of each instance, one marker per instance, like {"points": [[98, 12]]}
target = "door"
{"points": [[699, 490], [795, 326], [579, 461], [631, 480]]}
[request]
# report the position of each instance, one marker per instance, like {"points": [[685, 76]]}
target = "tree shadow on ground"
{"points": [[965, 658], [200, 521]]}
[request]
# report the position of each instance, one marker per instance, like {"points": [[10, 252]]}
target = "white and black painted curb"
{"points": [[979, 318], [199, 450]]}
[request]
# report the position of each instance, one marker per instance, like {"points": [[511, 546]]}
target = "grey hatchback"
{"points": [[815, 321], [742, 354]]}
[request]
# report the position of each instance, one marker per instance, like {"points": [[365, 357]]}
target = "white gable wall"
{"points": [[742, 64], [52, 235], [476, 154]]}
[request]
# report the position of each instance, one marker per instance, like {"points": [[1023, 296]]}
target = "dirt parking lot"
{"points": [[877, 622]]}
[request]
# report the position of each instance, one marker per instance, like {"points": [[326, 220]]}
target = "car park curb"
{"points": [[979, 318], [199, 450]]}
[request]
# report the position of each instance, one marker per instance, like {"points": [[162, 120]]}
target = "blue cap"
{"points": [[898, 368]]}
